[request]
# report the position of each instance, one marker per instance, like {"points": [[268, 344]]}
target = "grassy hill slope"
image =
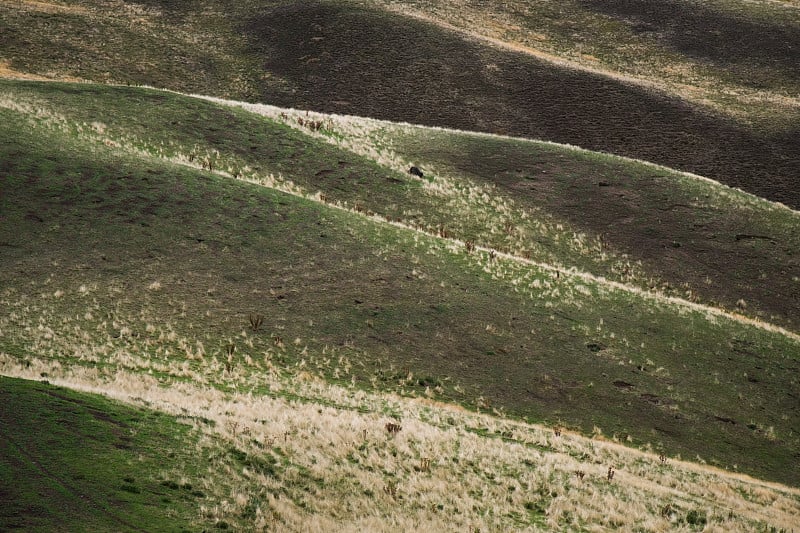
{"points": [[627, 221], [339, 56], [73, 462], [644, 226], [314, 456], [121, 252]]}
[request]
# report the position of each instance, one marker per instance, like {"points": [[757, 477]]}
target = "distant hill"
{"points": [[686, 87]]}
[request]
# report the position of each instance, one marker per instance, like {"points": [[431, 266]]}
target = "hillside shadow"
{"points": [[759, 55], [723, 255], [352, 60]]}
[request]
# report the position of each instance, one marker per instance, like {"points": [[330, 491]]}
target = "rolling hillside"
{"points": [[123, 248], [684, 87], [348, 346]]}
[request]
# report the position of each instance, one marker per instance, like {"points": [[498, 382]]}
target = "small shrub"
{"points": [[255, 321], [170, 484], [133, 489], [428, 381], [535, 507], [696, 518], [391, 489], [393, 428]]}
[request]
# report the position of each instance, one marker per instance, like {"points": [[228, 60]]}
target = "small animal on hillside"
{"points": [[415, 171]]}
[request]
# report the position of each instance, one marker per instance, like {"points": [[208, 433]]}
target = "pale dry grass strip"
{"points": [[46, 7], [668, 77], [467, 471]]}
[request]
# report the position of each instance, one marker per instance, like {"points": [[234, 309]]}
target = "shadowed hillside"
{"points": [[74, 462], [719, 255], [759, 53], [343, 57], [117, 215], [347, 59]]}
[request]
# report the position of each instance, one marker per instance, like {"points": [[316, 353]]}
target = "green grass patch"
{"points": [[79, 462]]}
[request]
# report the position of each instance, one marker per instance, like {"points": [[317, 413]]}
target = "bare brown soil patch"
{"points": [[6, 71]]}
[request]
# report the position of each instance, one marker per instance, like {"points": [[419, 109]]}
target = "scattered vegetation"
{"points": [[658, 86], [314, 453], [421, 350], [499, 332]]}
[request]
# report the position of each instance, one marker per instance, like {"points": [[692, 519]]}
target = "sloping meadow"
{"points": [[148, 233], [309, 456]]}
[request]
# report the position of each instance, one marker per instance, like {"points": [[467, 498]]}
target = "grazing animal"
{"points": [[415, 171], [393, 428]]}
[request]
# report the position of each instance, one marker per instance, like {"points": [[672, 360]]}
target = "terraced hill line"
{"points": [[509, 92]]}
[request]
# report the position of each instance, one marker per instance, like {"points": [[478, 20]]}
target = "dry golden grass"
{"points": [[447, 469], [46, 7], [335, 464]]}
